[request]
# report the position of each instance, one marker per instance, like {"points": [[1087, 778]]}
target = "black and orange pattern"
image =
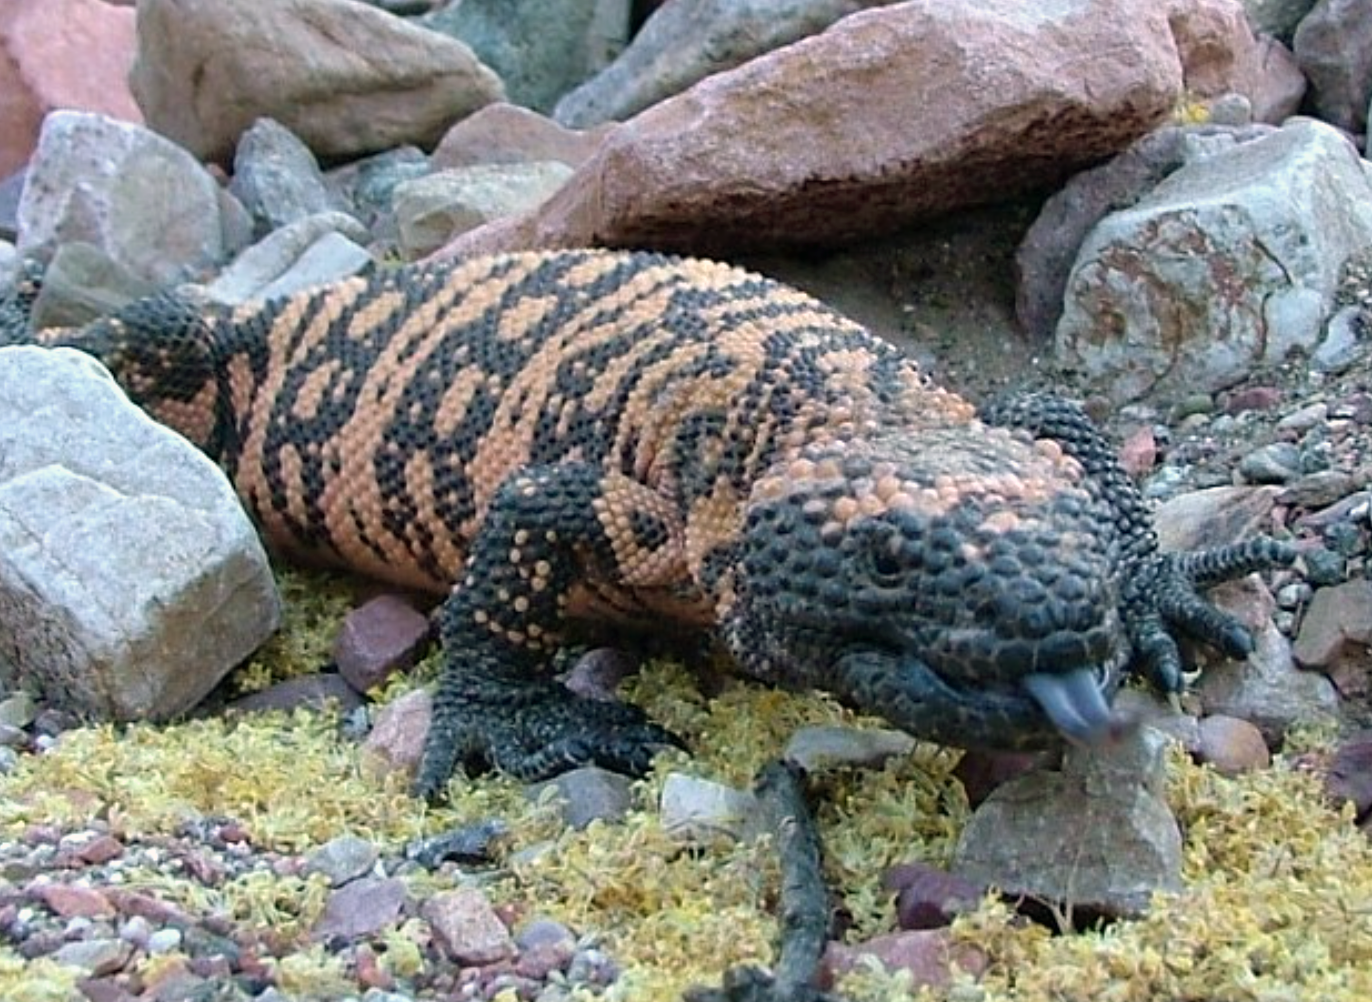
{"points": [[587, 437]]}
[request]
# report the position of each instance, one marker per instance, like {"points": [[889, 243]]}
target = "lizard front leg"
{"points": [[548, 530], [1159, 591]]}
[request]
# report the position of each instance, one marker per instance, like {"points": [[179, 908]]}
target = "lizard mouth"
{"points": [[1075, 702]]}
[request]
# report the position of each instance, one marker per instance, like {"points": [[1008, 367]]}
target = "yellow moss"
{"points": [[313, 973], [313, 606], [1275, 904], [1190, 110], [39, 980]]}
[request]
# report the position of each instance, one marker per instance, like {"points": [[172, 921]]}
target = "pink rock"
{"points": [[843, 134], [1139, 452], [1350, 774], [101, 849], [60, 54], [506, 133], [1232, 745], [928, 954], [467, 928], [396, 742], [361, 908], [928, 897], [379, 638], [69, 901]]}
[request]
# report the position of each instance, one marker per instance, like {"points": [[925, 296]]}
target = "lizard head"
{"points": [[960, 583]]}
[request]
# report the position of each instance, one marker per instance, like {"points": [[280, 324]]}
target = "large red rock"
{"points": [[892, 115], [60, 54]]}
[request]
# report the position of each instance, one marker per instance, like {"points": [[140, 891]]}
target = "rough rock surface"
{"points": [[1230, 262], [1334, 48], [686, 41], [1022, 99], [143, 200], [1098, 835], [431, 210], [132, 580], [206, 70], [60, 54], [540, 48]]}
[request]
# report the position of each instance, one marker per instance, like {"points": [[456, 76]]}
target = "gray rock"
{"points": [[17, 710], [361, 908], [1216, 516], [1097, 835], [342, 859], [132, 580], [1333, 46], [817, 748], [10, 190], [266, 262], [1277, 17], [368, 185], [1266, 689], [277, 178], [1274, 463], [9, 264], [541, 49], [1229, 263], [433, 209], [1044, 257], [1341, 347], [688, 40], [330, 258], [588, 794], [700, 810], [97, 957], [82, 283], [140, 198]]}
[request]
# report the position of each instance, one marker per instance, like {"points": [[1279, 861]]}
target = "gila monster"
{"points": [[585, 437]]}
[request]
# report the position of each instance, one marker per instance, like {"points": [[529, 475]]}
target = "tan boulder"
{"points": [[60, 54], [346, 78], [504, 133], [892, 115]]}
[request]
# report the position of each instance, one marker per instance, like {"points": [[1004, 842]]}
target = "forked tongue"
{"points": [[1074, 702]]}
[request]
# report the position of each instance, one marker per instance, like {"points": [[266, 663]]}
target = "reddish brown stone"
{"points": [[379, 638], [836, 137], [506, 133], [1232, 745], [928, 897], [70, 902], [397, 739], [1139, 452], [930, 956], [60, 54], [1349, 776], [100, 850]]}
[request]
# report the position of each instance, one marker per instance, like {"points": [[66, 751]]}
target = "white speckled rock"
{"points": [[132, 580], [1229, 263]]}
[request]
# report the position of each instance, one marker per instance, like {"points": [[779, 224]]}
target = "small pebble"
{"points": [[164, 941]]}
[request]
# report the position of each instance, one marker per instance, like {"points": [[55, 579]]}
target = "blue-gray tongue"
{"points": [[1074, 702]]}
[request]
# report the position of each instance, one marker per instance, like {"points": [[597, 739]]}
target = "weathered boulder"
{"points": [[345, 78], [133, 581], [60, 54], [144, 201], [842, 135], [431, 210], [1230, 262]]}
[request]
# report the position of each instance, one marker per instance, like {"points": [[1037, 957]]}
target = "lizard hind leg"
{"points": [[548, 530]]}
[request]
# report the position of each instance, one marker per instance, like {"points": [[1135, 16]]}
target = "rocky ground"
{"points": [[265, 848]]}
